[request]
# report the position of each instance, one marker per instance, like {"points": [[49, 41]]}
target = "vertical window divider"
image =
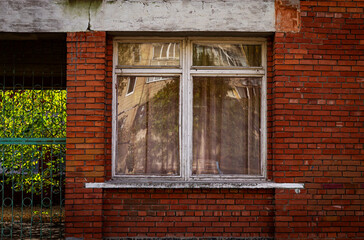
{"points": [[188, 111], [263, 109], [114, 128], [183, 107]]}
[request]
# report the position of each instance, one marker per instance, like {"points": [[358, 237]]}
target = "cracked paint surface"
{"points": [[137, 15]]}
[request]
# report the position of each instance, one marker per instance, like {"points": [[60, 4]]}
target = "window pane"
{"points": [[148, 130], [148, 54], [131, 85], [235, 55], [226, 126]]}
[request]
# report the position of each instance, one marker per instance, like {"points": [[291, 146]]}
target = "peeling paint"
{"points": [[180, 184], [288, 15], [137, 15]]}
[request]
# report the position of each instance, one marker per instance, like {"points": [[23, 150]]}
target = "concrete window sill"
{"points": [[194, 184]]}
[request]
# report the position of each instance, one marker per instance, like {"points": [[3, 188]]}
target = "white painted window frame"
{"points": [[186, 72]]}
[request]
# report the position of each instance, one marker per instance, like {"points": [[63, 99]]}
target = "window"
{"points": [[189, 109], [166, 51], [131, 85]]}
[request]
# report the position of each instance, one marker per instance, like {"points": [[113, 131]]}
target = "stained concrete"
{"points": [[193, 184], [137, 15], [288, 15]]}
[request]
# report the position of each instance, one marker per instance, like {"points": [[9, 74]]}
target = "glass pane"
{"points": [[148, 54], [131, 85], [235, 55], [226, 126], [148, 130]]}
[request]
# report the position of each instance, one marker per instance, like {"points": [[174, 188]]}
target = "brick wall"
{"points": [[187, 212], [87, 137], [315, 136], [318, 123]]}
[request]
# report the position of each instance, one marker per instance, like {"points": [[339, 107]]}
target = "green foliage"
{"points": [[32, 114], [165, 109]]}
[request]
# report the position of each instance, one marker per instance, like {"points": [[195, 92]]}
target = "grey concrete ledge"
{"points": [[137, 15], [195, 184]]}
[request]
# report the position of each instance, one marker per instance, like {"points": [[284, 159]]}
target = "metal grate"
{"points": [[32, 144]]}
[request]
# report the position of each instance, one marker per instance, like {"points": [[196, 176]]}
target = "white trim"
{"points": [[263, 114], [226, 73], [148, 39], [186, 71], [148, 72], [237, 40], [114, 111], [185, 118], [183, 184], [189, 110]]}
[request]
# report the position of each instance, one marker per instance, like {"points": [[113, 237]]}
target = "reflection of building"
{"points": [[227, 55], [139, 113], [143, 105], [155, 54], [165, 52]]}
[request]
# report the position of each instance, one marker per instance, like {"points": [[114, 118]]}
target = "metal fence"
{"points": [[32, 153]]}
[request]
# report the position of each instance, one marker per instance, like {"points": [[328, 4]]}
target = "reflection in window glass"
{"points": [[156, 79], [226, 126], [148, 130], [232, 55], [149, 54], [166, 51], [131, 85]]}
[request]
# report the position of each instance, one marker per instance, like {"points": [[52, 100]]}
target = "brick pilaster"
{"points": [[86, 133]]}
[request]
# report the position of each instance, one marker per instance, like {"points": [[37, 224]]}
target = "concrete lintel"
{"points": [[170, 184], [137, 15]]}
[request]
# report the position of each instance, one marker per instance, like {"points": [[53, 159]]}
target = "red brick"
{"points": [[314, 115]]}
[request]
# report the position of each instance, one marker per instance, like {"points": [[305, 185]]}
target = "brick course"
{"points": [[188, 213]]}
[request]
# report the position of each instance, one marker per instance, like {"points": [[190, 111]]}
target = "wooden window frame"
{"points": [[186, 72]]}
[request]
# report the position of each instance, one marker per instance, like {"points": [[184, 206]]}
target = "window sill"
{"points": [[170, 184]]}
